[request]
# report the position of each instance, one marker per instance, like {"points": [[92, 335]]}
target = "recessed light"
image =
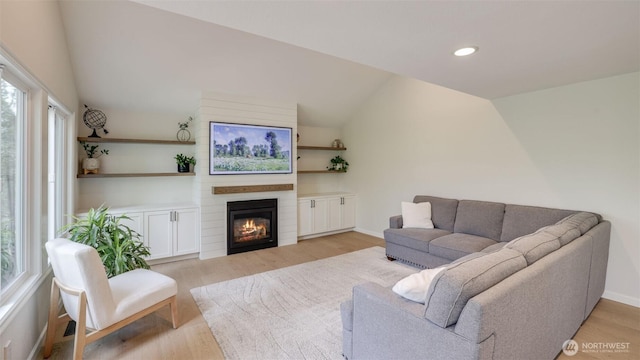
{"points": [[465, 51]]}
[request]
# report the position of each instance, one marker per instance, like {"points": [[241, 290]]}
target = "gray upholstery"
{"points": [[522, 220], [582, 220], [419, 259], [346, 312], [495, 247], [535, 246], [443, 211], [489, 220], [481, 218], [453, 287], [518, 297], [454, 246], [413, 238]]}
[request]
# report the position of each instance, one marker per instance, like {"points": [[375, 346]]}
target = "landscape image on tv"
{"points": [[249, 149]]}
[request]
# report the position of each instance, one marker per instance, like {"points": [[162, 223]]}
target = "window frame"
{"points": [[34, 191], [21, 225]]}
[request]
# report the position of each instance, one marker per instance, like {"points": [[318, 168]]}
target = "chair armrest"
{"points": [[395, 222]]}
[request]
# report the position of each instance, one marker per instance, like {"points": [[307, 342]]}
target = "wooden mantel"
{"points": [[222, 190]]}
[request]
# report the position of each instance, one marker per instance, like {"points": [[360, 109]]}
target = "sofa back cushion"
{"points": [[572, 226], [465, 278], [481, 218], [534, 246], [443, 211], [521, 220]]}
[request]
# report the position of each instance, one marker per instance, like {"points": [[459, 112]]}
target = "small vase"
{"points": [[183, 168]]}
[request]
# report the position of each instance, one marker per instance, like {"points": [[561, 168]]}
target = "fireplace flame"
{"points": [[250, 228]]}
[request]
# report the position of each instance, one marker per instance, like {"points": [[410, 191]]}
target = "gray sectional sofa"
{"points": [[518, 282]]}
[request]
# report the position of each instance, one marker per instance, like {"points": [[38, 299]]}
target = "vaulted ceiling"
{"points": [[330, 56]]}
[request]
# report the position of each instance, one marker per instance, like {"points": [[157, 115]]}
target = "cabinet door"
{"points": [[348, 212], [334, 213], [319, 208], [158, 233], [134, 223], [305, 217], [185, 231]]}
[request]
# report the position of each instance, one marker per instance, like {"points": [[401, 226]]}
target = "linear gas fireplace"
{"points": [[252, 225]]}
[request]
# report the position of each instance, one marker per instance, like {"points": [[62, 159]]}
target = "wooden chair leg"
{"points": [[173, 305], [81, 328], [53, 319]]}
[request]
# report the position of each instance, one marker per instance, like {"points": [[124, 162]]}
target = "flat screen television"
{"points": [[249, 149]]}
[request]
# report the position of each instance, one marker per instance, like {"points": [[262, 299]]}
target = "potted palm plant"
{"points": [[119, 247]]}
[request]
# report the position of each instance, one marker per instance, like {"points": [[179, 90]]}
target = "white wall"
{"points": [[573, 147], [137, 158], [242, 110], [33, 33]]}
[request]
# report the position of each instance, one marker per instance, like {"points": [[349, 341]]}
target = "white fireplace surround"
{"points": [[241, 110]]}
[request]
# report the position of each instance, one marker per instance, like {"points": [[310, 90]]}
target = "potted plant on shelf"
{"points": [[338, 164], [91, 164], [183, 162], [119, 247]]}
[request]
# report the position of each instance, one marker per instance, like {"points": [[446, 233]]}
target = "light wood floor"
{"points": [[153, 337]]}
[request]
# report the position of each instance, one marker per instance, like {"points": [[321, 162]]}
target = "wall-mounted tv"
{"points": [[249, 149]]}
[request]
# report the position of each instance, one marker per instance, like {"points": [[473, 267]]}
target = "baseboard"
{"points": [[371, 233], [625, 299], [38, 345]]}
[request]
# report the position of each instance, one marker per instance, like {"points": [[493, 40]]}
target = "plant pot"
{"points": [[90, 165], [183, 168]]}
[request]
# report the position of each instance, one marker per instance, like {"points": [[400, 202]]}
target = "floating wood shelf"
{"points": [[320, 172], [95, 176], [302, 147], [134, 141], [221, 190]]}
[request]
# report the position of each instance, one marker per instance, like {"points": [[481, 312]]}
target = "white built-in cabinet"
{"points": [[170, 231], [322, 213]]}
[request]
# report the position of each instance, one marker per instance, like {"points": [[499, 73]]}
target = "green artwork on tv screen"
{"points": [[249, 149]]}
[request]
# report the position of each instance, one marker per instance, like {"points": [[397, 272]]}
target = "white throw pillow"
{"points": [[416, 215], [415, 286]]}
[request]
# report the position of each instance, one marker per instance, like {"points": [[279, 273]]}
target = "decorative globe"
{"points": [[94, 119]]}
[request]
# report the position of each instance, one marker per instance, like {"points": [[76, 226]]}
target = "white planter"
{"points": [[90, 164]]}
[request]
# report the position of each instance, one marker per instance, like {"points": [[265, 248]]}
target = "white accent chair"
{"points": [[97, 303]]}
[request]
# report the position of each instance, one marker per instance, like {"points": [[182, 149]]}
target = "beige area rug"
{"points": [[293, 312]]}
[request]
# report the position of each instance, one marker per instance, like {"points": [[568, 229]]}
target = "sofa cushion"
{"points": [[535, 246], [458, 245], [414, 287], [443, 211], [521, 220], [572, 227], [583, 221], [417, 239], [481, 218], [416, 215], [495, 247], [452, 288]]}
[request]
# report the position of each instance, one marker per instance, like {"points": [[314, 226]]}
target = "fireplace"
{"points": [[252, 225]]}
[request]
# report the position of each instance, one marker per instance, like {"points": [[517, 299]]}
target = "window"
{"points": [[57, 169], [13, 102]]}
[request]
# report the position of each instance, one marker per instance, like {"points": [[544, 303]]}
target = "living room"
{"points": [[573, 145]]}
